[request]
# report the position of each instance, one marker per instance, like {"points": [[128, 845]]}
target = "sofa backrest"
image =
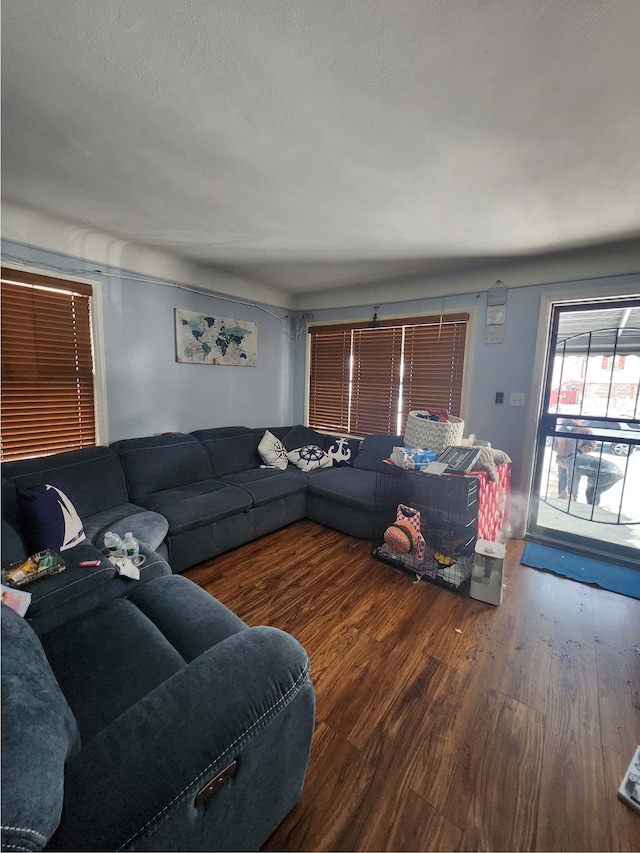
{"points": [[13, 545], [39, 732], [374, 448], [214, 433], [300, 436], [233, 449], [158, 462], [230, 452], [92, 478]]}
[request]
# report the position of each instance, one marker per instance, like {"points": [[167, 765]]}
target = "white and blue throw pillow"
{"points": [[309, 457], [342, 451], [50, 519], [272, 451]]}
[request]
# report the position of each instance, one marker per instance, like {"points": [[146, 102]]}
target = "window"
{"points": [[47, 397], [365, 380]]}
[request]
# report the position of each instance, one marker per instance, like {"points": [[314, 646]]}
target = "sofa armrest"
{"points": [[134, 785], [146, 526]]}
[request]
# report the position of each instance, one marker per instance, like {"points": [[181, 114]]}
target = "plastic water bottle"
{"points": [[130, 545], [113, 543]]}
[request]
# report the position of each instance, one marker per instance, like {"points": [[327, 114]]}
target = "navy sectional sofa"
{"points": [[156, 721], [215, 493], [142, 714], [186, 497]]}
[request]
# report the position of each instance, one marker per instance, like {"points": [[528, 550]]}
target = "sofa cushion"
{"points": [[13, 548], [346, 486], [233, 453], [160, 462], [92, 478], [49, 519], [188, 616], [374, 448], [78, 589], [53, 591], [272, 451], [309, 457], [146, 526], [13, 545], [265, 485], [39, 733], [107, 660], [299, 436], [197, 504]]}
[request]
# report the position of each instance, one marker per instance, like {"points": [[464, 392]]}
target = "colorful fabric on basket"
{"points": [[434, 415], [412, 458], [412, 516]]}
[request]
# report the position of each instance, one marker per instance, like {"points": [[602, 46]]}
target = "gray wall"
{"points": [[507, 367], [147, 390]]}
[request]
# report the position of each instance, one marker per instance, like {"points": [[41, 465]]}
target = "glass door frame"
{"points": [[546, 426]]}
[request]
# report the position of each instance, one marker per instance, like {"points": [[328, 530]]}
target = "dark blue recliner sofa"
{"points": [[156, 721], [142, 714]]}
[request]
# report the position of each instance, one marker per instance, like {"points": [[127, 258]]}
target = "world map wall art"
{"points": [[210, 339]]}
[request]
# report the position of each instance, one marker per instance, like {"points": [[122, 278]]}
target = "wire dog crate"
{"points": [[448, 507]]}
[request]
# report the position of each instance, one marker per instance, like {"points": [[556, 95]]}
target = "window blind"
{"points": [[47, 395], [365, 380], [434, 362], [329, 379], [377, 354]]}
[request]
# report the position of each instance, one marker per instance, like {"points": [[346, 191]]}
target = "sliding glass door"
{"points": [[586, 494]]}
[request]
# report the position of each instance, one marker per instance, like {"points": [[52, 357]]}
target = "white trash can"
{"points": [[487, 578]]}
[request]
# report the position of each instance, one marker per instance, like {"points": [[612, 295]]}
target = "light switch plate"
{"points": [[516, 399]]}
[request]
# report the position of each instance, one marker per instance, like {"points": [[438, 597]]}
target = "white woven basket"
{"points": [[436, 435]]}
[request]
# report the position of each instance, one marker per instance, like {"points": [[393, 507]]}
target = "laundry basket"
{"points": [[435, 435]]}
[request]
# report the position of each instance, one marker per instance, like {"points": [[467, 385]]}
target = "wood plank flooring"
{"points": [[512, 735]]}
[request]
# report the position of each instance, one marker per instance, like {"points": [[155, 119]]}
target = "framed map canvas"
{"points": [[210, 339]]}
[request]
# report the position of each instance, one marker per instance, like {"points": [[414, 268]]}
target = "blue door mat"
{"points": [[606, 575]]}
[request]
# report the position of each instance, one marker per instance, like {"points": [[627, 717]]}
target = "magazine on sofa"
{"points": [[16, 599]]}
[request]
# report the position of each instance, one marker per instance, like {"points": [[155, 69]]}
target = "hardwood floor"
{"points": [[511, 735]]}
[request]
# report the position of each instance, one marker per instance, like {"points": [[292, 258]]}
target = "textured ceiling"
{"points": [[316, 143]]}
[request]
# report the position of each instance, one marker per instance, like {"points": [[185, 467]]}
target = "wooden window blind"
{"points": [[366, 380], [434, 362], [377, 354], [329, 378], [47, 394]]}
